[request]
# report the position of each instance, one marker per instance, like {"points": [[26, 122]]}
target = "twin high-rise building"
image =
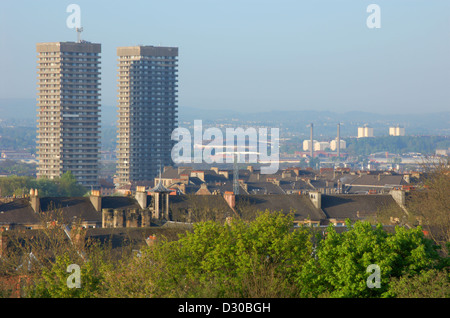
{"points": [[147, 101], [68, 131]]}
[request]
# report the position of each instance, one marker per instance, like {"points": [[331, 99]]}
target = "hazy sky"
{"points": [[254, 54]]}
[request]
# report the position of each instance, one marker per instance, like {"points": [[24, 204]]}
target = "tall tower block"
{"points": [[68, 129], [147, 110]]}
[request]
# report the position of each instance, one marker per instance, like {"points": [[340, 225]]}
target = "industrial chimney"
{"points": [[311, 150], [338, 140]]}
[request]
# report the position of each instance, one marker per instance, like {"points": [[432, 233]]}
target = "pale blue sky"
{"points": [[255, 54]]}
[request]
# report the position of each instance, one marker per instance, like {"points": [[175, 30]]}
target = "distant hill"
{"points": [[24, 111], [325, 122]]}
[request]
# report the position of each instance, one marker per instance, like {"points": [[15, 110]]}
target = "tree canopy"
{"points": [[265, 257], [65, 186]]}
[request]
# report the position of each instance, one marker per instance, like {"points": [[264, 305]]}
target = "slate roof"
{"points": [[72, 208], [264, 188], [214, 205], [347, 205], [300, 205], [372, 180], [160, 188], [118, 202], [18, 211]]}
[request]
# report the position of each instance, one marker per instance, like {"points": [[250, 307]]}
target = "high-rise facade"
{"points": [[68, 130], [147, 110], [365, 132], [396, 131]]}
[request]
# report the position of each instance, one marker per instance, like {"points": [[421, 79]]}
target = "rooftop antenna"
{"points": [[160, 172], [79, 30]]}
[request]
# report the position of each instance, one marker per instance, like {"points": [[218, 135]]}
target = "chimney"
{"points": [[230, 198], [34, 201], [96, 200], [338, 146], [311, 150], [141, 196], [316, 199]]}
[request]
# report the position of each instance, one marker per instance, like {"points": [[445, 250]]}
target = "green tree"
{"points": [[45, 187], [53, 282], [431, 205], [239, 259], [69, 187], [339, 268], [431, 283]]}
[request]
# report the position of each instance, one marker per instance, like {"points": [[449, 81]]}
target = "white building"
{"points": [[321, 145], [396, 131], [307, 144], [333, 144], [365, 132]]}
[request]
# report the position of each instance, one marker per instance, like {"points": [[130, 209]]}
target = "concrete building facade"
{"points": [[396, 131], [334, 143], [365, 132], [147, 111], [68, 129]]}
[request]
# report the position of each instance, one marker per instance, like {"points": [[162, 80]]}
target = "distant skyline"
{"points": [[254, 55]]}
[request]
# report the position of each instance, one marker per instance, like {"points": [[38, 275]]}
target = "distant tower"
{"points": [[396, 131], [311, 151], [338, 145], [365, 131]]}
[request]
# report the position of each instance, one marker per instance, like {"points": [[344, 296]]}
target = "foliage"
{"points": [[52, 283], [431, 206], [15, 167], [427, 284], [239, 259], [65, 186], [339, 268], [20, 137], [259, 258], [396, 144]]}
